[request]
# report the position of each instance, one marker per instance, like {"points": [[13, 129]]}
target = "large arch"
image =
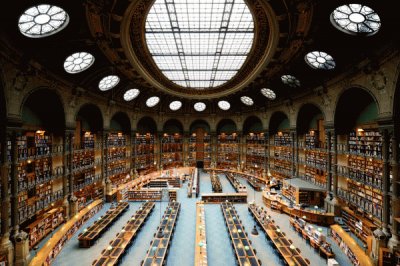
{"points": [[199, 123], [146, 124], [350, 112], [307, 118], [43, 108], [90, 117], [252, 124], [227, 126], [278, 121], [172, 126], [120, 122]]}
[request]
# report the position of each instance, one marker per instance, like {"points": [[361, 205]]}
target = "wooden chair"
{"points": [[290, 241], [307, 261]]}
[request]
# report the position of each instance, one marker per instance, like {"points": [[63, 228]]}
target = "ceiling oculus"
{"points": [[42, 21], [199, 44]]}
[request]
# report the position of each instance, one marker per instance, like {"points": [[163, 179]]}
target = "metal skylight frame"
{"points": [[199, 44]]}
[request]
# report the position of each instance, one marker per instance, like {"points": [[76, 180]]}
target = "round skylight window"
{"points": [[108, 82], [199, 106], [199, 44], [131, 94], [152, 101], [290, 81], [247, 100], [78, 62], [270, 94], [224, 105], [175, 105], [356, 19], [42, 20], [320, 60]]}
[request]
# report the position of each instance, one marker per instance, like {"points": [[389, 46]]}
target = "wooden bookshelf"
{"points": [[44, 225], [46, 255], [172, 151], [228, 151], [117, 158], [349, 246], [144, 153], [256, 156], [282, 155], [359, 225]]}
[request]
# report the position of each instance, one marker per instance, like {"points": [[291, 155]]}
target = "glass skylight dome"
{"points": [[199, 44], [42, 20]]}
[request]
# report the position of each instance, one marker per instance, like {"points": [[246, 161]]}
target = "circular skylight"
{"points": [[199, 44], [42, 20], [152, 101], [224, 105], [320, 60], [270, 94], [199, 106], [290, 80], [108, 82], [131, 94], [175, 105], [78, 62], [247, 100], [356, 19]]}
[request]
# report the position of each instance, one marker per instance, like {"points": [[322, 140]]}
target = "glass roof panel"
{"points": [[199, 39]]}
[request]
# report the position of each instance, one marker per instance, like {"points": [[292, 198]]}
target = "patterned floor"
{"points": [[182, 246]]}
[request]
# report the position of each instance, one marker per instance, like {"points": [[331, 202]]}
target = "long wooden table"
{"points": [[113, 253], [245, 254], [237, 185], [222, 197], [310, 215], [291, 256], [48, 252], [322, 251], [93, 232], [158, 250], [200, 250]]}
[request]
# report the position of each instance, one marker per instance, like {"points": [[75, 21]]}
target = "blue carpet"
{"points": [[219, 248]]}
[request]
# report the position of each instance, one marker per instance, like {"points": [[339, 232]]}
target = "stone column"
{"points": [[386, 181], [241, 149], [394, 241], [214, 149], [14, 182], [295, 159], [159, 150], [6, 246], [185, 148], [266, 155], [22, 255], [134, 173], [331, 202], [69, 146], [104, 158], [67, 171]]}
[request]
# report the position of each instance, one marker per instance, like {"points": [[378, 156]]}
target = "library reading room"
{"points": [[199, 132]]}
